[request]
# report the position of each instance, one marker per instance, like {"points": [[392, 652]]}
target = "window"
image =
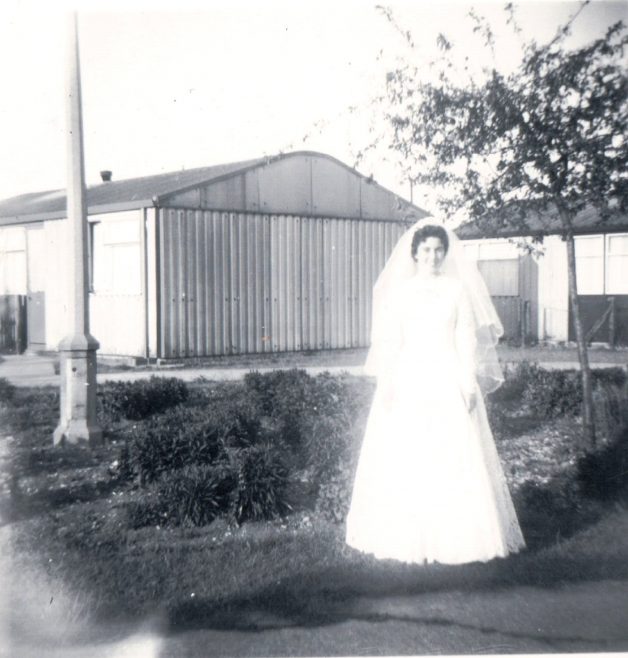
{"points": [[617, 264], [116, 257], [590, 264]]}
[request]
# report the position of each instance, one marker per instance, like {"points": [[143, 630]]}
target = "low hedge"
{"points": [[249, 484], [7, 390], [603, 474], [552, 393], [140, 399], [184, 436]]}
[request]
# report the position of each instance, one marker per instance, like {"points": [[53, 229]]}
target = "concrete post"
{"points": [[77, 350]]}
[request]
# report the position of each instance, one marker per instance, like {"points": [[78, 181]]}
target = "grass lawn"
{"points": [[65, 513]]}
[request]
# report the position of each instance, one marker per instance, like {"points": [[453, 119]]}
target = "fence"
{"points": [[604, 319]]}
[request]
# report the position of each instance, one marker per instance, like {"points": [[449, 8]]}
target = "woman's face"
{"points": [[430, 255]]}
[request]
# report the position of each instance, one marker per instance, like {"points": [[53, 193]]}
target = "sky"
{"points": [[168, 88]]}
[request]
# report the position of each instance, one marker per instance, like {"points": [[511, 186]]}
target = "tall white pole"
{"points": [[78, 349]]}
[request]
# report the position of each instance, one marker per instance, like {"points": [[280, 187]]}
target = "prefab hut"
{"points": [[531, 290], [268, 255]]}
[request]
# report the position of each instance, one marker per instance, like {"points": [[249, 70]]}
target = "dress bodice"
{"points": [[435, 329], [428, 315]]}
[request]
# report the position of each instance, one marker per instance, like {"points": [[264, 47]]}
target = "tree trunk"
{"points": [[588, 425]]}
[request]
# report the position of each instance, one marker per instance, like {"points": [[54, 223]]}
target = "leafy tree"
{"points": [[510, 150]]}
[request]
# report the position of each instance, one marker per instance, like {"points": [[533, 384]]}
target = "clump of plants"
{"points": [[551, 511], [140, 399], [327, 429], [610, 407], [169, 441], [313, 415], [192, 495], [263, 478], [288, 398], [7, 390], [334, 495], [551, 394], [247, 484], [35, 411], [603, 474]]}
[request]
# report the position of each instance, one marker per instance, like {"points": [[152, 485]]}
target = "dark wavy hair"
{"points": [[429, 231]]}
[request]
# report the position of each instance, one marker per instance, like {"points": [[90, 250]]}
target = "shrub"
{"points": [[142, 398], [336, 428], [193, 495], [36, 410], [170, 441], [615, 376], [195, 435], [604, 474], [551, 511], [262, 489], [145, 512], [329, 443], [551, 394], [497, 418], [516, 380], [610, 408], [334, 494], [7, 390], [239, 419], [251, 485], [197, 494], [286, 396], [314, 416]]}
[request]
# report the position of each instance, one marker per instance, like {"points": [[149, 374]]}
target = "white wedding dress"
{"points": [[429, 485]]}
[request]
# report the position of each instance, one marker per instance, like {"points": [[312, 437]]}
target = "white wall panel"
{"points": [[553, 290], [13, 267], [57, 281]]}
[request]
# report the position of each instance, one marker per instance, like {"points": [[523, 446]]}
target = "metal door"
{"points": [[36, 320]]}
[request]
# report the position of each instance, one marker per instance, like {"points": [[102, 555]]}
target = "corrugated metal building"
{"points": [[531, 292], [268, 255]]}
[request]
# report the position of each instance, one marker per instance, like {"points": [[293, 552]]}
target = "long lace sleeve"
{"points": [[465, 344]]}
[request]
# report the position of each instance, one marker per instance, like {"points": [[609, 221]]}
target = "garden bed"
{"points": [[211, 495]]}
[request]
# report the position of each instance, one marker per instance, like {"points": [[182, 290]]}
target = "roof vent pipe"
{"points": [[105, 174]]}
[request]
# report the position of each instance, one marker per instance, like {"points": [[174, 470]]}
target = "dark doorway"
{"points": [[12, 324]]}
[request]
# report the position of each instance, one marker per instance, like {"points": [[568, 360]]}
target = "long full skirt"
{"points": [[429, 485]]}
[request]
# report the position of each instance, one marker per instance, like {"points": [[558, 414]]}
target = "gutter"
{"points": [[62, 214]]}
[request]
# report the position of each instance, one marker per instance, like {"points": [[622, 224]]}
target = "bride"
{"points": [[429, 486]]}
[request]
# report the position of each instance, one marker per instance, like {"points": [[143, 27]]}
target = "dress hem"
{"points": [[427, 561]]}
